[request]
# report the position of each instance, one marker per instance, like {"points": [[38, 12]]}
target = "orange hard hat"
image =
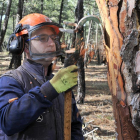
{"points": [[35, 19]]}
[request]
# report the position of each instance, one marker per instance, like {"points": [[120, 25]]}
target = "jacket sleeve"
{"points": [[76, 124], [17, 115]]}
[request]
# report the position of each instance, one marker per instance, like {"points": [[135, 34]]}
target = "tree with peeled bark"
{"points": [[121, 21], [80, 63]]}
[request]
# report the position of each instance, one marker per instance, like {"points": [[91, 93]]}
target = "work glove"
{"points": [[65, 78]]}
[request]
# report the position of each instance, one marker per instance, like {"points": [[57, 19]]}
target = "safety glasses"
{"points": [[44, 38]]}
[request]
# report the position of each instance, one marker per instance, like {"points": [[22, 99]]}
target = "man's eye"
{"points": [[43, 38], [54, 37]]}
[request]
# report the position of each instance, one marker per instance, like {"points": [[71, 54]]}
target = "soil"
{"points": [[98, 103], [97, 111]]}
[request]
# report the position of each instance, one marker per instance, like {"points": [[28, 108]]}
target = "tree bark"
{"points": [[121, 39], [73, 41], [81, 81], [80, 63], [3, 31]]}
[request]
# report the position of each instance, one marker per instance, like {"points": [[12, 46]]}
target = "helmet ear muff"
{"points": [[15, 44]]}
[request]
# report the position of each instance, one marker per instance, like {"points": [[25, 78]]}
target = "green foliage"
{"points": [[14, 7], [51, 8], [90, 7]]}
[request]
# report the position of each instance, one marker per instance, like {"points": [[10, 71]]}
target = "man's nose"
{"points": [[51, 44]]}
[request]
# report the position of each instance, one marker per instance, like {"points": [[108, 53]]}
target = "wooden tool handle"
{"points": [[67, 115]]}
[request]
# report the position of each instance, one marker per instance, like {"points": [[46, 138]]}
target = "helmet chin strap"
{"points": [[37, 56]]}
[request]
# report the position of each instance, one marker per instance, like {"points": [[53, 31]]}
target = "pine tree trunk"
{"points": [[81, 81], [73, 41], [87, 44], [61, 9], [80, 63], [42, 2], [121, 36], [2, 10], [3, 31]]}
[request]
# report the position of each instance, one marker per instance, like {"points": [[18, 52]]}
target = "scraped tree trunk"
{"points": [[80, 63], [121, 21], [3, 31], [16, 59]]}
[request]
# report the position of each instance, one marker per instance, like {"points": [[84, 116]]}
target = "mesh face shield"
{"points": [[39, 47]]}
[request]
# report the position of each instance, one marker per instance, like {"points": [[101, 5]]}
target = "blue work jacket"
{"points": [[38, 111]]}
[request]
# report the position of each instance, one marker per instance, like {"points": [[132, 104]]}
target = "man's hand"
{"points": [[65, 78]]}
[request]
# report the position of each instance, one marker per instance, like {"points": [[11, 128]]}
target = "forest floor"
{"points": [[97, 107], [97, 111]]}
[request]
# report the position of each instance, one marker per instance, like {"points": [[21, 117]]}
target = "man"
{"points": [[31, 98]]}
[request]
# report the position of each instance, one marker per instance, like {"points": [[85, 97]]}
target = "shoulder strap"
{"points": [[16, 74]]}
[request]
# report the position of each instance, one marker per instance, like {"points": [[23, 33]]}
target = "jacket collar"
{"points": [[37, 70]]}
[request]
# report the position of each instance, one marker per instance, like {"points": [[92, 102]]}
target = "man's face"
{"points": [[41, 47]]}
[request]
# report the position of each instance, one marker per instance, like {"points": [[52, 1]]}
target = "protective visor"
{"points": [[40, 46]]}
